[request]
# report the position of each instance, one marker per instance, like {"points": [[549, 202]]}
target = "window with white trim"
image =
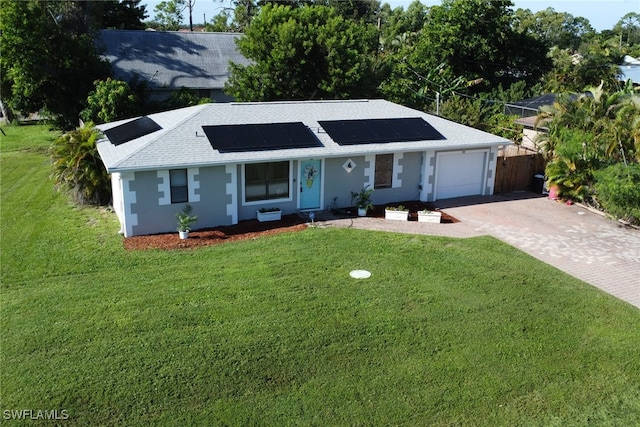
{"points": [[179, 186], [383, 171], [266, 181]]}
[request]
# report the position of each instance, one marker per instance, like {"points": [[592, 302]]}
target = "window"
{"points": [[179, 186], [266, 181], [384, 171]]}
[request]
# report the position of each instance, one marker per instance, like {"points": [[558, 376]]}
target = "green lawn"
{"points": [[273, 331]]}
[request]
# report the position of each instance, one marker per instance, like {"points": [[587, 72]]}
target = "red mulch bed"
{"points": [[252, 229], [244, 230]]}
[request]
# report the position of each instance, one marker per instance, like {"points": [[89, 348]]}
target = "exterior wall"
{"points": [[491, 171], [142, 200], [118, 199], [405, 181], [529, 137], [156, 214]]}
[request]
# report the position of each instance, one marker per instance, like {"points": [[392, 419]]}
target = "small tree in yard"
{"points": [[111, 100], [77, 167]]}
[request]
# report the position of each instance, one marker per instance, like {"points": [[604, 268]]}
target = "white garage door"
{"points": [[460, 174]]}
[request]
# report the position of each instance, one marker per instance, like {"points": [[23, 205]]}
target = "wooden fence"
{"points": [[516, 172]]}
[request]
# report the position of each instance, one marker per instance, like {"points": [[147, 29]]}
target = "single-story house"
{"points": [[170, 60], [527, 110], [229, 160]]}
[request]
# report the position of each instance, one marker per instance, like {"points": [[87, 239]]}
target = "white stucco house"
{"points": [[228, 160]]}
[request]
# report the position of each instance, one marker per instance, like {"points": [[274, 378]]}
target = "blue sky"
{"points": [[602, 14]]}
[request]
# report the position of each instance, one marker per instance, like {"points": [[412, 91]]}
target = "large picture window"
{"points": [[266, 181], [179, 186], [383, 171]]}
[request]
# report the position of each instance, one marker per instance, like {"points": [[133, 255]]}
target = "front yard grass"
{"points": [[274, 331]]}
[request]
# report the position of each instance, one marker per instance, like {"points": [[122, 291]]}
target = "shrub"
{"points": [[618, 191], [77, 167]]}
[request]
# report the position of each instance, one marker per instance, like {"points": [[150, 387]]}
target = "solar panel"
{"points": [[372, 131], [131, 130], [260, 137]]}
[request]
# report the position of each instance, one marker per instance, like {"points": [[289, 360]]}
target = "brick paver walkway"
{"points": [[586, 245]]}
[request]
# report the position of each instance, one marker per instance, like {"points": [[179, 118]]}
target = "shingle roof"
{"points": [[167, 59], [182, 142]]}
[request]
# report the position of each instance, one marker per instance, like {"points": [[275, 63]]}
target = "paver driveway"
{"points": [[586, 245]]}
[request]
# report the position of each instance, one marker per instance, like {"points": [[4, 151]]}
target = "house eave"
{"points": [[320, 154]]}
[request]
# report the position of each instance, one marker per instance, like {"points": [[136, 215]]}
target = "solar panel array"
{"points": [[132, 130], [372, 131], [260, 137]]}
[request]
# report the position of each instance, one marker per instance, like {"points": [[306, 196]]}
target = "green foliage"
{"points": [[628, 29], [47, 65], [303, 53], [111, 100], [573, 165], [362, 198], [185, 219], [183, 97], [559, 29], [468, 40], [483, 115], [124, 15], [572, 71], [77, 168], [169, 14], [587, 132], [618, 191]]}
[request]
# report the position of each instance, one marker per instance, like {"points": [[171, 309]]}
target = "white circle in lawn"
{"points": [[360, 274]]}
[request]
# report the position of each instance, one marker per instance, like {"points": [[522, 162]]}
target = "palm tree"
{"points": [[587, 132], [77, 167]]}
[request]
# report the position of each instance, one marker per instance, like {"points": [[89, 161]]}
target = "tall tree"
{"points": [[48, 60], [595, 61], [472, 40], [169, 14], [553, 28], [124, 15], [303, 53], [628, 28]]}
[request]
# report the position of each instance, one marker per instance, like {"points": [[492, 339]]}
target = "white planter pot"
{"points": [[429, 216], [183, 234], [362, 212], [269, 216], [396, 215]]}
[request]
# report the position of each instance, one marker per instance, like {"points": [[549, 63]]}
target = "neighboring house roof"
{"points": [[171, 60], [529, 107], [630, 72], [182, 141]]}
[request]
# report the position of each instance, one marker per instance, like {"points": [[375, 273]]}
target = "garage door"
{"points": [[460, 174]]}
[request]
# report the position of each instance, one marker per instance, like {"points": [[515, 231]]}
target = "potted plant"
{"points": [[269, 214], [396, 213], [429, 216], [362, 200], [185, 219]]}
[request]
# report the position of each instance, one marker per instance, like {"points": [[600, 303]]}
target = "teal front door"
{"points": [[310, 184]]}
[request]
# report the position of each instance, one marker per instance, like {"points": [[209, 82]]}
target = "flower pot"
{"points": [[429, 216], [362, 212], [184, 234], [269, 216], [396, 215]]}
